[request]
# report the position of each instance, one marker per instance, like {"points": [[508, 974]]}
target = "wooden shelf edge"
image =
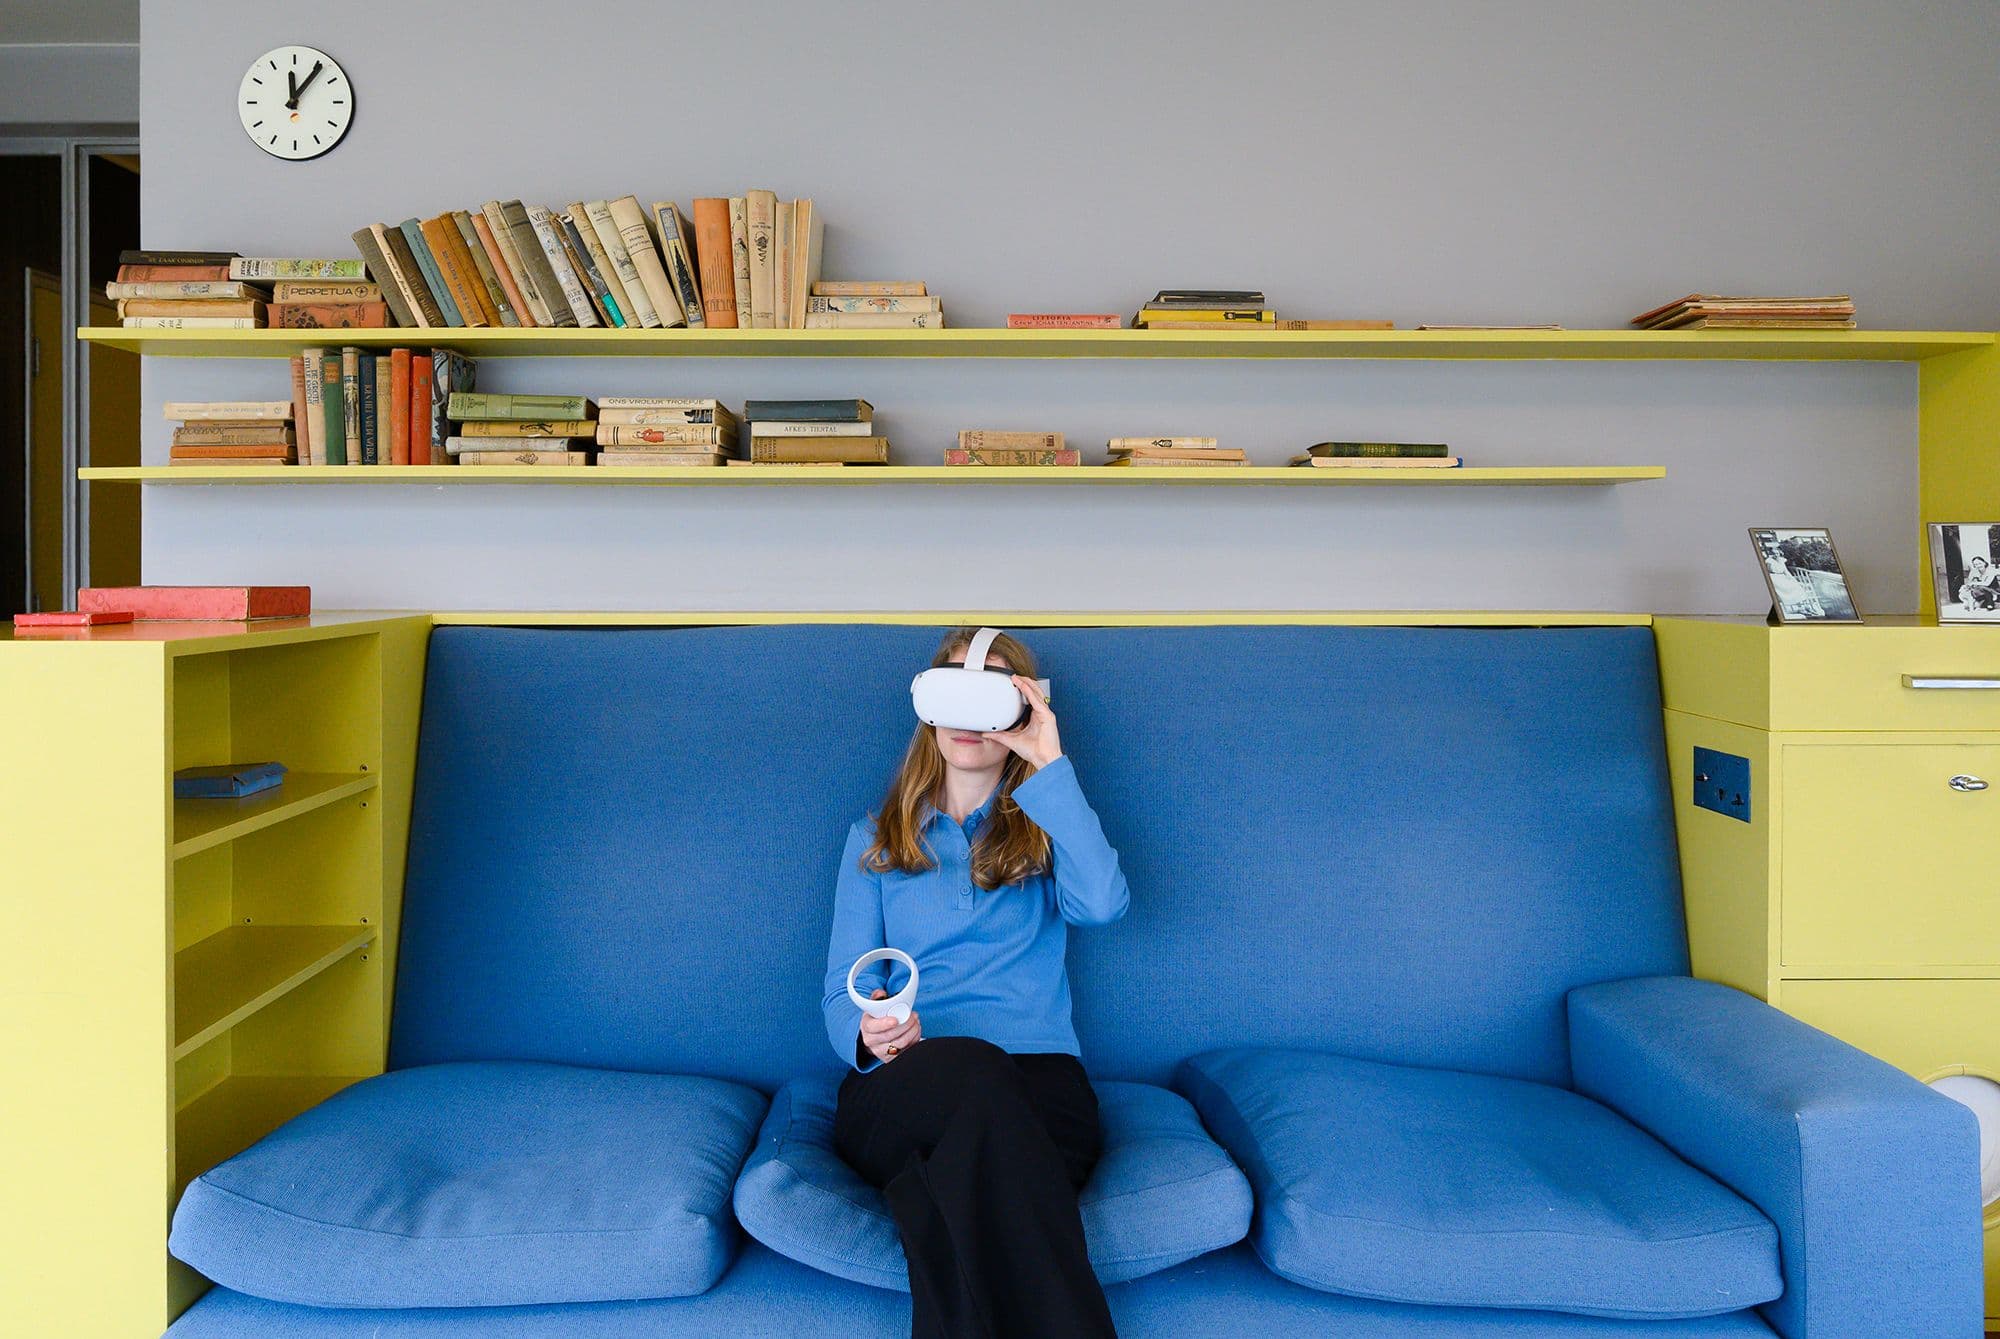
{"points": [[301, 793], [298, 953], [871, 475], [1786, 345]]}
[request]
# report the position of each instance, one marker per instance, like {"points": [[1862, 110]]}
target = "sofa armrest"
{"points": [[1871, 1178]]}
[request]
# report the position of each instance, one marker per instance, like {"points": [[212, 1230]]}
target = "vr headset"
{"points": [[977, 697]]}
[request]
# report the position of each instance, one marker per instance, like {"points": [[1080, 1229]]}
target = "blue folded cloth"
{"points": [[227, 781]]}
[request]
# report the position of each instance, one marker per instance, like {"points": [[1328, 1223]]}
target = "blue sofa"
{"points": [[1396, 1039]]}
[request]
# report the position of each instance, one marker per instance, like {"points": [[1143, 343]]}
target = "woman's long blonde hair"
{"points": [[1009, 847]]}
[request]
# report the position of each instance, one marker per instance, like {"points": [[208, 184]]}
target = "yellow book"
{"points": [[1155, 315]]}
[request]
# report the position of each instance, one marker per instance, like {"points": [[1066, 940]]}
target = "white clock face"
{"points": [[295, 102]]}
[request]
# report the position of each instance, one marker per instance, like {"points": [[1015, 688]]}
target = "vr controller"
{"points": [[898, 1005], [976, 697]]}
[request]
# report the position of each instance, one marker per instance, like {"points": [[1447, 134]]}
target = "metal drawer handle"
{"points": [[1946, 681], [1964, 782]]}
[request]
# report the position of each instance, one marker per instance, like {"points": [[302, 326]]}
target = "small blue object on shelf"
{"points": [[230, 781]]}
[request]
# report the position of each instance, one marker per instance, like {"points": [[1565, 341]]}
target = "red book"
{"points": [[73, 618], [420, 409], [227, 603], [1062, 321], [129, 274], [398, 401], [327, 315]]}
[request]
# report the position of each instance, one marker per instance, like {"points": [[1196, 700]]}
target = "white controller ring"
{"points": [[896, 1007]]}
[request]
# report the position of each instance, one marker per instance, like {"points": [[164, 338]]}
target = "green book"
{"points": [[333, 440], [1402, 450], [474, 406]]}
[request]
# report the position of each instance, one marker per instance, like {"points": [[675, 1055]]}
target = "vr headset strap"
{"points": [[975, 651]]}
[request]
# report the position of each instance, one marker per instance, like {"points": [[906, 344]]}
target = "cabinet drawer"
{"points": [[1882, 862], [1852, 679]]}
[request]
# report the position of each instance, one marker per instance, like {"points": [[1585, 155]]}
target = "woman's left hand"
{"points": [[1037, 741]]}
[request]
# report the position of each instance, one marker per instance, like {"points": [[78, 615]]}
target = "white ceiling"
{"points": [[23, 21]]}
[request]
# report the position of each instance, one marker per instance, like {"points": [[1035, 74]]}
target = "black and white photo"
{"points": [[1965, 569], [1804, 575]]}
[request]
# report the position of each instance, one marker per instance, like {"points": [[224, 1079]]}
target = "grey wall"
{"points": [[67, 85], [1561, 160]]}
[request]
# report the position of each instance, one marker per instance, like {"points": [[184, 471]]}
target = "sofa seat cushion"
{"points": [[1456, 1189], [482, 1183], [1161, 1193]]}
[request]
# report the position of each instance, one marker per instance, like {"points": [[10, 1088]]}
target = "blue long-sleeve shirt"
{"points": [[990, 963]]}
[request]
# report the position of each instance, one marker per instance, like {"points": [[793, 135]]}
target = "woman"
{"points": [[975, 1117]]}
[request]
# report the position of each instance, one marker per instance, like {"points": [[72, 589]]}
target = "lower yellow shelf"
{"points": [[725, 476], [223, 979], [200, 824]]}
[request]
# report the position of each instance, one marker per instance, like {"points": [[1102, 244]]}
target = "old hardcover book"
{"points": [[374, 385], [296, 267], [418, 409], [1722, 300], [69, 618], [140, 256], [782, 250], [396, 407], [630, 222], [663, 402], [1379, 462], [298, 369], [739, 258], [1761, 323], [196, 410], [670, 458], [806, 411], [327, 315], [548, 235], [958, 455], [311, 429], [1179, 452], [192, 322], [1064, 321], [1378, 450], [585, 268], [491, 289], [427, 263], [546, 290], [595, 266], [410, 275], [761, 214], [987, 438], [191, 307], [451, 374], [683, 434], [1157, 443], [463, 445], [1208, 297], [133, 274], [869, 288], [514, 301], [529, 427], [1205, 327], [711, 246], [464, 405], [226, 603], [856, 306], [185, 288], [875, 321], [326, 290], [455, 267], [350, 404], [808, 241], [248, 453], [847, 450], [528, 305], [677, 247], [523, 457], [374, 251], [1333, 325], [331, 438], [1158, 317], [1171, 460], [595, 222], [214, 434], [811, 428]]}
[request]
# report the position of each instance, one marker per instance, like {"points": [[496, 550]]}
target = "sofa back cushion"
{"points": [[1402, 844]]}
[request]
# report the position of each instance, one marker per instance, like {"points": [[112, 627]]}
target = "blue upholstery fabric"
{"points": [[1161, 1193], [1430, 835], [1455, 1189], [480, 1184], [1871, 1177], [765, 1296]]}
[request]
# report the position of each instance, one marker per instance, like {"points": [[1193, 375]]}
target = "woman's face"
{"points": [[969, 750]]}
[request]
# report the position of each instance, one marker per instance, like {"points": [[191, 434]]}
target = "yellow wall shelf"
{"points": [[223, 979], [729, 476], [200, 824], [1784, 345]]}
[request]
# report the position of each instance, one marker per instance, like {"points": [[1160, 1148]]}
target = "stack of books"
{"points": [[985, 446], [1150, 451], [1702, 311], [1372, 455], [361, 407], [863, 304], [323, 295], [232, 432], [185, 290], [813, 432], [499, 429], [1205, 309], [664, 430]]}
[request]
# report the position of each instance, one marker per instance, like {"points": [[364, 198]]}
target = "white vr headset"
{"points": [[976, 697]]}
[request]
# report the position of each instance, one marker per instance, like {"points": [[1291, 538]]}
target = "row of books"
{"points": [[1707, 311], [356, 406], [222, 290], [991, 448]]}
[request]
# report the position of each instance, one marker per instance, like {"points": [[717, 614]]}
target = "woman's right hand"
{"points": [[885, 1038]]}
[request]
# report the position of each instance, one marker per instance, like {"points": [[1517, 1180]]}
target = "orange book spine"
{"points": [[299, 404], [398, 402], [419, 410], [446, 248], [715, 263], [505, 275]]}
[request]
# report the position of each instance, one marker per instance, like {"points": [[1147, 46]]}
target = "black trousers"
{"points": [[980, 1154]]}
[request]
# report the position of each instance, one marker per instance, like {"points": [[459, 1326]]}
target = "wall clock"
{"points": [[295, 102]]}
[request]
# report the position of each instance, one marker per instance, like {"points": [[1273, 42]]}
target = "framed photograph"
{"points": [[1965, 569], [1803, 573]]}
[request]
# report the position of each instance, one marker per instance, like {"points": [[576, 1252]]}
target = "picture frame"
{"points": [[1965, 570], [1803, 573]]}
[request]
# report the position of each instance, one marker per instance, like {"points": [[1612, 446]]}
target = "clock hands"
{"points": [[298, 90]]}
